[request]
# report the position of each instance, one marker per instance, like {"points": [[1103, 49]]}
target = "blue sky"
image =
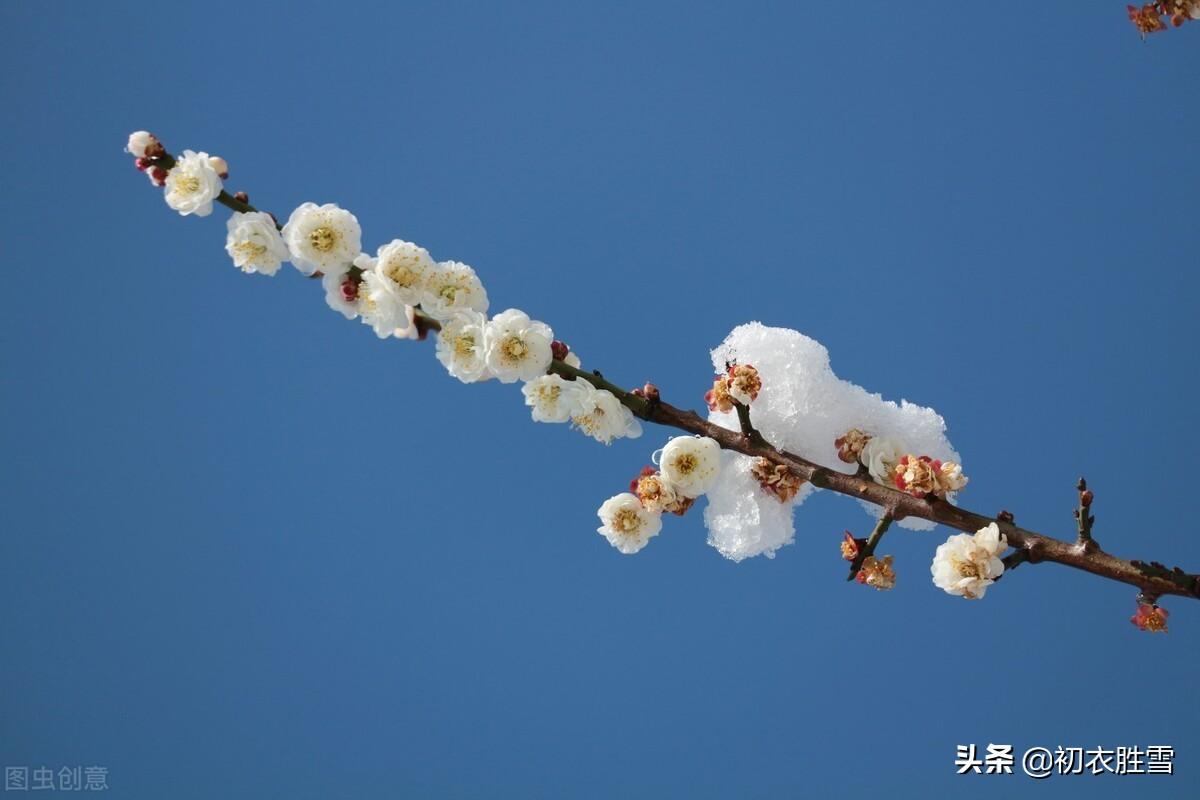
{"points": [[250, 551]]}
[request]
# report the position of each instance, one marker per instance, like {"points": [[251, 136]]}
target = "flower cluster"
{"points": [[1148, 18], [687, 468], [967, 564], [740, 384], [886, 461]]}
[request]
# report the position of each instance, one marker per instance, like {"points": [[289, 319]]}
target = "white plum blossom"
{"points": [[254, 243], [968, 564], [572, 360], [141, 144], [880, 455], [220, 166], [691, 464], [192, 185], [602, 416], [626, 524], [518, 348], [451, 287], [460, 346], [407, 267], [381, 308], [553, 398], [325, 238]]}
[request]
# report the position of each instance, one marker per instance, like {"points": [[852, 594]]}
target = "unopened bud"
{"points": [[559, 350], [242, 197], [1085, 498], [650, 392], [1005, 516], [219, 166]]}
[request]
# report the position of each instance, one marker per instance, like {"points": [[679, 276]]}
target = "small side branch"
{"points": [[748, 429], [868, 549], [1084, 518]]}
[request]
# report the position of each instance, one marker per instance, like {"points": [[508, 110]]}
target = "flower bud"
{"points": [[650, 392], [242, 197], [559, 350], [219, 166], [1085, 498]]}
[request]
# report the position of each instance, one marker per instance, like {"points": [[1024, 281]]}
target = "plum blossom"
{"points": [[967, 564], [325, 238], [627, 525], [407, 267], [517, 347], [880, 455], [382, 309], [451, 287], [658, 494], [552, 398], [602, 416], [143, 144], [460, 346], [254, 243], [192, 185], [691, 464]]}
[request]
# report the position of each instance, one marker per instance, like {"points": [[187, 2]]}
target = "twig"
{"points": [[868, 549]]}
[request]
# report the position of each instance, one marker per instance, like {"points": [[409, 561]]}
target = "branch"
{"points": [[1151, 578], [868, 549]]}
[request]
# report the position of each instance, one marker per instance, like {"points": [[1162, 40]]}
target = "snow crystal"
{"points": [[802, 408]]}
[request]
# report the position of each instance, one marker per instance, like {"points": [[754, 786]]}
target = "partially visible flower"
{"points": [[850, 445], [325, 238], [776, 479], [877, 573], [849, 546], [1150, 618], [220, 166], [718, 397], [1146, 19], [657, 493], [143, 144], [602, 416], [518, 348], [451, 287], [917, 476], [254, 243], [572, 360], [626, 524], [880, 455], [192, 185], [744, 383], [967, 564], [460, 346], [552, 398], [342, 290], [382, 309], [950, 478], [691, 464], [407, 266]]}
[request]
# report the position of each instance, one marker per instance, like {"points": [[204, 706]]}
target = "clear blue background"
{"points": [[250, 551]]}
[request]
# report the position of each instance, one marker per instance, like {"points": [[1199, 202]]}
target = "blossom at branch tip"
{"points": [[691, 464], [626, 524], [877, 573], [850, 445], [451, 287], [744, 383], [921, 476], [658, 494], [552, 398], [602, 416], [517, 347], [192, 185], [967, 564], [460, 347], [254, 243], [407, 267], [879, 455], [326, 238], [143, 144], [1150, 618]]}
